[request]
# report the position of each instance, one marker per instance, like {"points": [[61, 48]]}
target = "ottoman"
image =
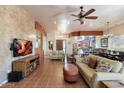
{"points": [[70, 73]]}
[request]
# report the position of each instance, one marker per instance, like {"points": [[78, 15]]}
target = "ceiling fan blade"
{"points": [[76, 20], [89, 12], [74, 15], [81, 21], [91, 17]]}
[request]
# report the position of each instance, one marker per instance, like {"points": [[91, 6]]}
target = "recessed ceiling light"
{"points": [[68, 22], [54, 22], [90, 25], [32, 36]]}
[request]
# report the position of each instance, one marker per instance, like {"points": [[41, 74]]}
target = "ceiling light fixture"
{"points": [[84, 15], [108, 31]]}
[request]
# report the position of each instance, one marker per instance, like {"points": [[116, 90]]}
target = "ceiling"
{"points": [[52, 17]]}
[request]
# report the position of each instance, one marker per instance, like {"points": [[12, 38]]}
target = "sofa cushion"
{"points": [[116, 66], [78, 59], [54, 52], [86, 70], [61, 52], [85, 60], [103, 67], [92, 63]]}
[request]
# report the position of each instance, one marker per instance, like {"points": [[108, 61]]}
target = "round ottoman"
{"points": [[70, 72]]}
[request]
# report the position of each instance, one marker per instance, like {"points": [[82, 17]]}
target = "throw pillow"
{"points": [[50, 54], [78, 59], [54, 53], [92, 63], [103, 67], [85, 60]]}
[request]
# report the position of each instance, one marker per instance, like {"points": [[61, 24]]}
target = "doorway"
{"points": [[59, 44]]}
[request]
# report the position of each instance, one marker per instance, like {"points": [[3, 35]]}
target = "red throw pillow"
{"points": [[92, 63]]}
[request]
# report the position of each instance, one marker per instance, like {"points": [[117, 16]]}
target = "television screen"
{"points": [[21, 47]]}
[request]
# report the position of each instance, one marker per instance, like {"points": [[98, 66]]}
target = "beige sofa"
{"points": [[93, 78], [56, 55]]}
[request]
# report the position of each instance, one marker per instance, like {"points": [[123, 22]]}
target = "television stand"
{"points": [[26, 65]]}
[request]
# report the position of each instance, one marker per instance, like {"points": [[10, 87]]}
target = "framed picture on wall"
{"points": [[104, 42], [50, 45]]}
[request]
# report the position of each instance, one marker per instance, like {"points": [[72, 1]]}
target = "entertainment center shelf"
{"points": [[26, 65]]}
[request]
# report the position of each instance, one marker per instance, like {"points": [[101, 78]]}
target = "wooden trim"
{"points": [[86, 33], [40, 28]]}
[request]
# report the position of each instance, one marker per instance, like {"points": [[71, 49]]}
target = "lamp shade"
{"points": [[80, 51]]}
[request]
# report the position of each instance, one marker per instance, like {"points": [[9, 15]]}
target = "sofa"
{"points": [[92, 77], [56, 54]]}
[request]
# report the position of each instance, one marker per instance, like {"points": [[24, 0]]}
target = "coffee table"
{"points": [[112, 84]]}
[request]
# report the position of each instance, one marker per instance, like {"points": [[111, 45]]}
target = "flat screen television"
{"points": [[21, 47]]}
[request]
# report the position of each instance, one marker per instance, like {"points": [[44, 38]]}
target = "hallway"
{"points": [[47, 75]]}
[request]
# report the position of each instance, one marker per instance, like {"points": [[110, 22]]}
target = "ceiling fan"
{"points": [[84, 15]]}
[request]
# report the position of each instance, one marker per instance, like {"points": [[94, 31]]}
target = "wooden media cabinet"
{"points": [[26, 65]]}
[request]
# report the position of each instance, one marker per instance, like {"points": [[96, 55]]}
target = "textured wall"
{"points": [[15, 22]]}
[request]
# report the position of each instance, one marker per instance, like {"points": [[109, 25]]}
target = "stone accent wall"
{"points": [[15, 22]]}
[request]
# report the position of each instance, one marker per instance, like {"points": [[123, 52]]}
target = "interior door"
{"points": [[59, 44]]}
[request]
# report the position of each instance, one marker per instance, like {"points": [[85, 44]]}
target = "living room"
{"points": [[43, 37]]}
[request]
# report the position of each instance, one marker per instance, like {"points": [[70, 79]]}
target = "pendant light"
{"points": [[108, 31]]}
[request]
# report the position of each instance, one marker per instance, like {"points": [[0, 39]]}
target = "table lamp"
{"points": [[80, 52]]}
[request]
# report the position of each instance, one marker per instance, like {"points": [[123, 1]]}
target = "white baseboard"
{"points": [[4, 82]]}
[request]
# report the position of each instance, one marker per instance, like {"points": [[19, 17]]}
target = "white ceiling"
{"points": [[49, 14]]}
